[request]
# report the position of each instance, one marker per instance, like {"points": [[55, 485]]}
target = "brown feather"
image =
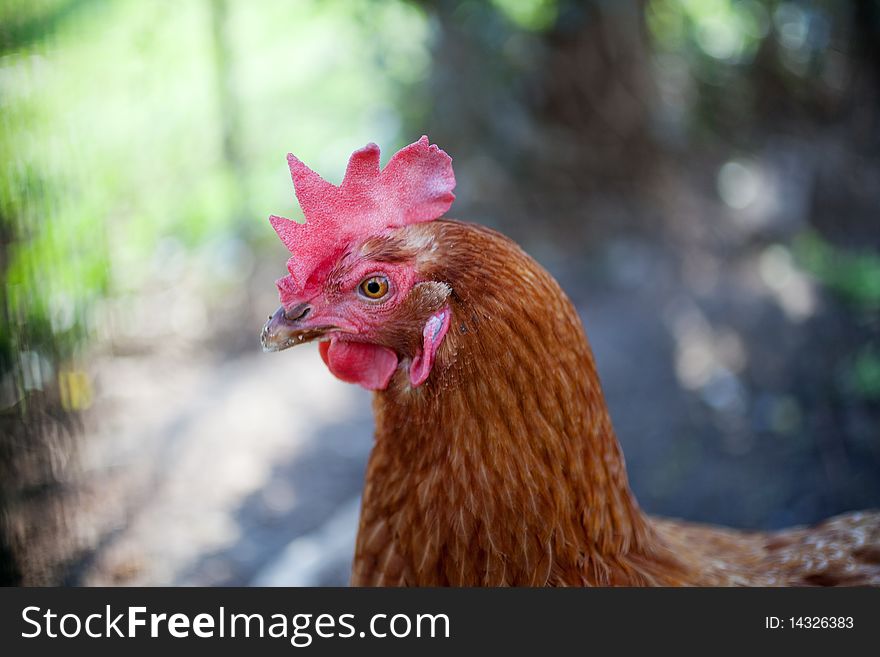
{"points": [[503, 468]]}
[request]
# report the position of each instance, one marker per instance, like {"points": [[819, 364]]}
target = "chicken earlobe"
{"points": [[432, 337]]}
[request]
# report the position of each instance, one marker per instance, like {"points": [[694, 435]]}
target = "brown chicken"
{"points": [[495, 461]]}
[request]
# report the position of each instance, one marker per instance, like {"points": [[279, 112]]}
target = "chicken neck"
{"points": [[504, 467]]}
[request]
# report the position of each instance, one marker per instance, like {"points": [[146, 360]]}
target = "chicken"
{"points": [[495, 460]]}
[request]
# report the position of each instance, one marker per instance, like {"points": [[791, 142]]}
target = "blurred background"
{"points": [[702, 176]]}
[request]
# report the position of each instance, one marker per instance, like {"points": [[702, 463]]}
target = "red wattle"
{"points": [[368, 365]]}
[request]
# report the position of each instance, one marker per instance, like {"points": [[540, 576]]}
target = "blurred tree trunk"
{"points": [[229, 110], [595, 98]]}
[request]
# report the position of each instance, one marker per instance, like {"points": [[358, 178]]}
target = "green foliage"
{"points": [[865, 373], [534, 15], [724, 30], [853, 275]]}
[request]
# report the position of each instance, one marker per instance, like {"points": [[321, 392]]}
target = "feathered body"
{"points": [[503, 468]]}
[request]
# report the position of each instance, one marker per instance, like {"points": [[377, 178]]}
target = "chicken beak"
{"points": [[288, 328]]}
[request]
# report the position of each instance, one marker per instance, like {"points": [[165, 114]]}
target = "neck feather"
{"points": [[506, 459]]}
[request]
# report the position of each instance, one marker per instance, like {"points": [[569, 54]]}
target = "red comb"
{"points": [[416, 185]]}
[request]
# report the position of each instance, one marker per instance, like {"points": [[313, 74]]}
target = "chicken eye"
{"points": [[374, 287]]}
